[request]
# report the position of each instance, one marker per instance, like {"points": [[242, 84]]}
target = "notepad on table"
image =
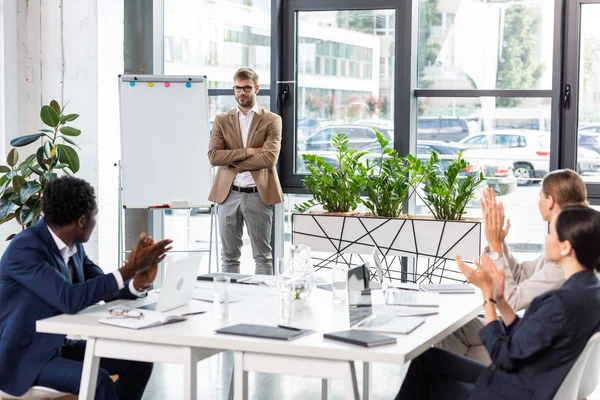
{"points": [[147, 320], [265, 331], [398, 297], [390, 324], [361, 338], [233, 277], [448, 288]]}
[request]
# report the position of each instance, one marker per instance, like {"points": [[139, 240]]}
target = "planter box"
{"points": [[421, 237]]}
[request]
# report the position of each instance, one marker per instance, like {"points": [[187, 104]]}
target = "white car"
{"points": [[528, 150]]}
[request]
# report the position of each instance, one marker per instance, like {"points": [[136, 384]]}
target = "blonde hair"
{"points": [[246, 73], [566, 188]]}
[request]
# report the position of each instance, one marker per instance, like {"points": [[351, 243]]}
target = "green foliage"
{"points": [[22, 184], [336, 189], [387, 193], [446, 193], [518, 65]]}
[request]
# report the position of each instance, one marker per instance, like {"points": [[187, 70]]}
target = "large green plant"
{"points": [[21, 184], [336, 189], [387, 183], [445, 193]]}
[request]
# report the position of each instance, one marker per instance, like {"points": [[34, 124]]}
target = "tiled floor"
{"points": [[214, 376]]}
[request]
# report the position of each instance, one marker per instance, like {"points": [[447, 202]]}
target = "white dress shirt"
{"points": [[67, 252], [244, 179]]}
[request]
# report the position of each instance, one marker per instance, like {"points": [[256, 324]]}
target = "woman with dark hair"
{"points": [[531, 355]]}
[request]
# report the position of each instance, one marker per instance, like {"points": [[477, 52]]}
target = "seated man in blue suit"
{"points": [[45, 272]]}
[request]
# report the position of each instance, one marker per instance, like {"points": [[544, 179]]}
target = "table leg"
{"points": [[240, 377], [367, 374], [190, 376], [351, 383], [325, 389], [231, 383], [89, 374]]}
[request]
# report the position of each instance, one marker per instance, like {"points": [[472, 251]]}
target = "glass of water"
{"points": [[221, 288], [285, 292], [340, 283]]}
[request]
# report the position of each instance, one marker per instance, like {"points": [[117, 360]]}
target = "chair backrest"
{"points": [[36, 393], [582, 379]]}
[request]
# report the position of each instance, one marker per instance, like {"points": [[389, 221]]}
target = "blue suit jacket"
{"points": [[532, 356], [35, 284]]}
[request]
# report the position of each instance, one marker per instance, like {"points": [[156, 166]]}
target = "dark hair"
{"points": [[246, 73], [67, 199], [580, 225], [566, 187]]}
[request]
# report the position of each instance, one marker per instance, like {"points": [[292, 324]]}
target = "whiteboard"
{"points": [[164, 140]]}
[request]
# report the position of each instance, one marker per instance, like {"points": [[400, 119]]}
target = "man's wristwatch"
{"points": [[494, 255]]}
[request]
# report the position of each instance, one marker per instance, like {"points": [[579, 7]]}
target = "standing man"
{"points": [[245, 145]]}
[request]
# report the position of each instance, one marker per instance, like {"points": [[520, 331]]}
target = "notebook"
{"points": [[361, 338], [147, 320], [397, 297], [264, 331], [390, 324], [448, 288], [234, 277]]}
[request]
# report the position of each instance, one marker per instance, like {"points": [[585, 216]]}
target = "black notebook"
{"points": [[234, 277], [265, 331], [361, 338]]}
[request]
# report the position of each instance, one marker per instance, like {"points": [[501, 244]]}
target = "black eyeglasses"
{"points": [[246, 89]]}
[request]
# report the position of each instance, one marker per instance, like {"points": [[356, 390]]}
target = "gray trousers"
{"points": [[232, 213], [466, 342]]}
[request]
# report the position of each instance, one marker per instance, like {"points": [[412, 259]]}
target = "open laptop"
{"points": [[177, 285]]}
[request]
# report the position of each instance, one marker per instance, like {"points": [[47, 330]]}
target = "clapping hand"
{"points": [[145, 255], [493, 217], [143, 280], [486, 277]]}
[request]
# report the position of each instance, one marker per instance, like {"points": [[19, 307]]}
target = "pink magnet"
{"points": [[167, 84]]}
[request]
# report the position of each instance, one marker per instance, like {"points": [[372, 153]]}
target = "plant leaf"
{"points": [[70, 131], [40, 158], [25, 140], [28, 190], [29, 213], [55, 106], [68, 118], [69, 156], [4, 169], [18, 182], [70, 141], [11, 237], [12, 158], [49, 116], [6, 207], [50, 175], [37, 171]]}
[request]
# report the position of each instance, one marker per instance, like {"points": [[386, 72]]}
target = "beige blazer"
{"points": [[226, 151]]}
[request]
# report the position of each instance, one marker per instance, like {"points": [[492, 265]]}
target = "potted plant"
{"points": [[298, 300], [336, 189], [22, 183], [440, 237]]}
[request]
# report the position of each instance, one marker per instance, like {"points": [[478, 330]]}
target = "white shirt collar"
{"points": [[252, 110], [64, 250]]}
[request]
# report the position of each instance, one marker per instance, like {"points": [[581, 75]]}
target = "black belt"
{"points": [[251, 189]]}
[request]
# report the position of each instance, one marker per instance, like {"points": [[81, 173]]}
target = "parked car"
{"points": [[446, 129], [589, 139], [527, 150], [359, 136], [590, 128]]}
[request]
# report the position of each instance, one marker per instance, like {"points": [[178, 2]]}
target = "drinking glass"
{"points": [[340, 283], [221, 288], [285, 292]]}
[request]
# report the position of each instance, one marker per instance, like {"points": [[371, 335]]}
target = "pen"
{"points": [[192, 313], [289, 327]]}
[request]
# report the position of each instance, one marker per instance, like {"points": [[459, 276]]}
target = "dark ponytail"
{"points": [[580, 225]]}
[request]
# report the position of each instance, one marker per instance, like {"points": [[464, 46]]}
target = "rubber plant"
{"points": [[335, 188], [22, 183], [447, 192]]}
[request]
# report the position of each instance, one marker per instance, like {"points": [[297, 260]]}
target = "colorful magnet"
{"points": [[188, 84], [167, 84], [150, 84], [132, 83]]}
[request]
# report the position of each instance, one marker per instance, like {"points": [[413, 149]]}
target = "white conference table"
{"points": [[195, 339]]}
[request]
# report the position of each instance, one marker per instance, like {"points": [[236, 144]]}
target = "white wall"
{"points": [[72, 51]]}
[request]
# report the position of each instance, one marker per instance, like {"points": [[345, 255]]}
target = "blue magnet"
{"points": [[188, 84], [131, 83]]}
